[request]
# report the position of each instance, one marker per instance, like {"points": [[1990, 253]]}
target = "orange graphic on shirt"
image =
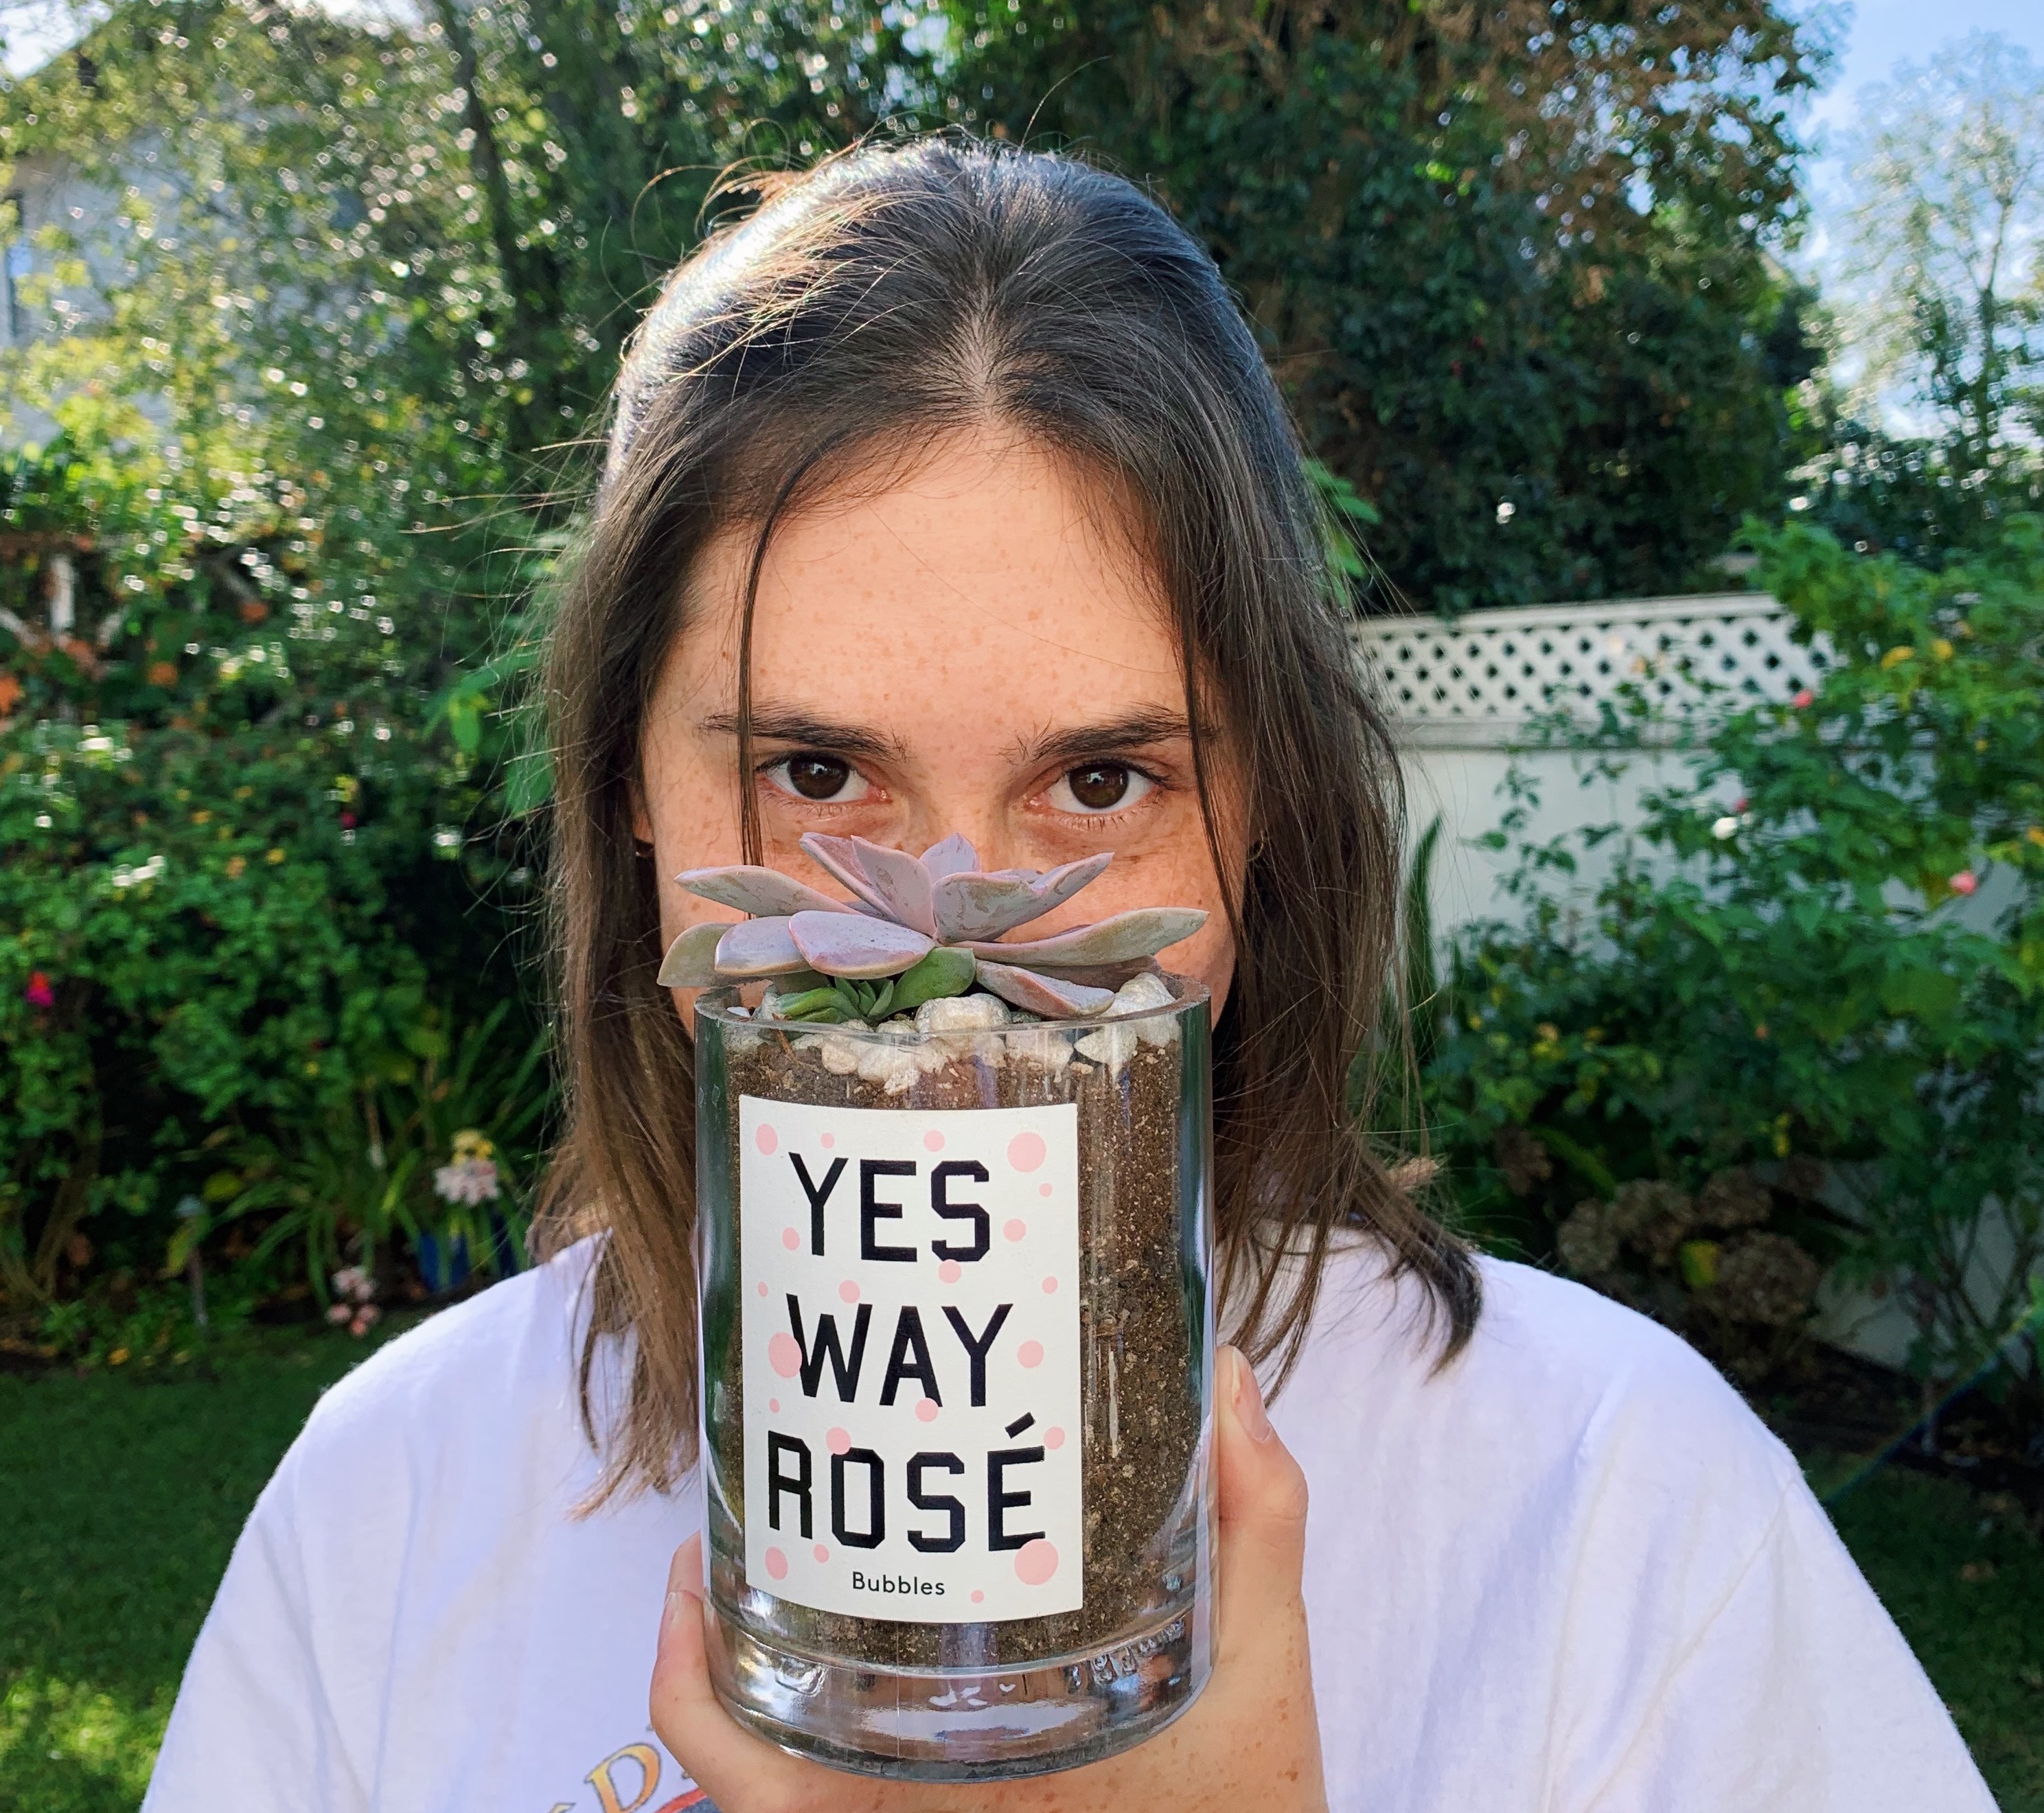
{"points": [[626, 1781]]}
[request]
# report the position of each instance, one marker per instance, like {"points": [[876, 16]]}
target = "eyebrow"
{"points": [[1082, 743], [801, 730]]}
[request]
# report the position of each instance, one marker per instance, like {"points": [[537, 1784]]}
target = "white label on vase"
{"points": [[911, 1323]]}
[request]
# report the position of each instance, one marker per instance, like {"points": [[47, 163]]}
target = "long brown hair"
{"points": [[897, 294]]}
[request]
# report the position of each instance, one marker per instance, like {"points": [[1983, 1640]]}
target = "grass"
{"points": [[1965, 1580], [124, 1491]]}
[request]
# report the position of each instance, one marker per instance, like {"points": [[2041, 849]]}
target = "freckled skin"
{"points": [[963, 616]]}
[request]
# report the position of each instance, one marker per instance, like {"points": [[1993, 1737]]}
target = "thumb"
{"points": [[1262, 1508]]}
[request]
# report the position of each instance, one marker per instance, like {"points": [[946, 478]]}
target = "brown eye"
{"points": [[1099, 787], [818, 776]]}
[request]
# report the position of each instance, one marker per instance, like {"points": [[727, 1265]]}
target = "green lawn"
{"points": [[123, 1491]]}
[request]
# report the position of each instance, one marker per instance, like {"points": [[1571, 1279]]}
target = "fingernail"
{"points": [[1249, 1400], [680, 1605]]}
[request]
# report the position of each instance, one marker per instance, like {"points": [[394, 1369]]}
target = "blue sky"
{"points": [[1879, 36]]}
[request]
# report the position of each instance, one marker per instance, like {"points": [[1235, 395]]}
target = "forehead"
{"points": [[987, 577]]}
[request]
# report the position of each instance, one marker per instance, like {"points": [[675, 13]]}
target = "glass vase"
{"points": [[957, 1350]]}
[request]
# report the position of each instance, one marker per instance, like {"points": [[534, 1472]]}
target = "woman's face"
{"points": [[974, 648]]}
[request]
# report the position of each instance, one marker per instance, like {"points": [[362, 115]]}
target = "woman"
{"points": [[950, 494]]}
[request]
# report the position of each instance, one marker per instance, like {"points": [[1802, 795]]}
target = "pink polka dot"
{"points": [[762, 1287], [821, 1551], [933, 1141], [848, 1290], [1054, 1439], [927, 1410], [769, 1142], [1050, 1287], [1026, 1152], [783, 1355], [1014, 1230], [1042, 1189], [1029, 1353], [830, 1140], [790, 1239], [777, 1563], [774, 1406], [978, 1598], [950, 1271], [1036, 1562], [838, 1442]]}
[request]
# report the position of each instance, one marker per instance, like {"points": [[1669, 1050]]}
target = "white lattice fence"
{"points": [[1481, 680]]}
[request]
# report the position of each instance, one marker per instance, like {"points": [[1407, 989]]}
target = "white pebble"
{"points": [[1150, 996], [1142, 993], [961, 1013], [1047, 1048], [1112, 1045]]}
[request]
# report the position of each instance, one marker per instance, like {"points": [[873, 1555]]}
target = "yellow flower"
{"points": [[273, 855], [235, 865], [1700, 1264], [202, 818], [1894, 657], [1548, 1031], [2035, 833], [1941, 649], [117, 1358]]}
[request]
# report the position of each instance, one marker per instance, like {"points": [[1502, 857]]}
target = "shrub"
{"points": [[231, 910], [1815, 970]]}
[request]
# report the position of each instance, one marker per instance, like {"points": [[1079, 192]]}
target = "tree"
{"points": [[1512, 263], [1948, 177]]}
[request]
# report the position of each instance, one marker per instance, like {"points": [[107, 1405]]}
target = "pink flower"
{"points": [[1964, 882], [38, 994], [1804, 700], [1740, 804]]}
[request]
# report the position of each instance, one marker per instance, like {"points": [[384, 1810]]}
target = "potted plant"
{"points": [[957, 1342]]}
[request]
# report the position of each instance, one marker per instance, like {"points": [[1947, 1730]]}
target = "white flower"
{"points": [[1727, 826], [467, 1180], [354, 1284]]}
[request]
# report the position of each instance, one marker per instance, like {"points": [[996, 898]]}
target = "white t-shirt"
{"points": [[1569, 1572]]}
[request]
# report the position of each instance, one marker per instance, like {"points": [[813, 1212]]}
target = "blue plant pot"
{"points": [[443, 1264]]}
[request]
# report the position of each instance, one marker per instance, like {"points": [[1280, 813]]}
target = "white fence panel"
{"points": [[1464, 697]]}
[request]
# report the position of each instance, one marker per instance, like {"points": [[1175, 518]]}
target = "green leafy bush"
{"points": [[1815, 969], [234, 907]]}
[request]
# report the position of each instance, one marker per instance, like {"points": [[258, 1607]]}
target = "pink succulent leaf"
{"points": [[755, 947], [1109, 976], [952, 855], [981, 906], [836, 856], [901, 881], [766, 893], [1124, 939], [1050, 996], [845, 944], [691, 960]]}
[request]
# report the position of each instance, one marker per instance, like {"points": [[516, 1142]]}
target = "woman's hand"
{"points": [[1251, 1741]]}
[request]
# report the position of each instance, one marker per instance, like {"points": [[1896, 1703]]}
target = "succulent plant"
{"points": [[916, 928]]}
